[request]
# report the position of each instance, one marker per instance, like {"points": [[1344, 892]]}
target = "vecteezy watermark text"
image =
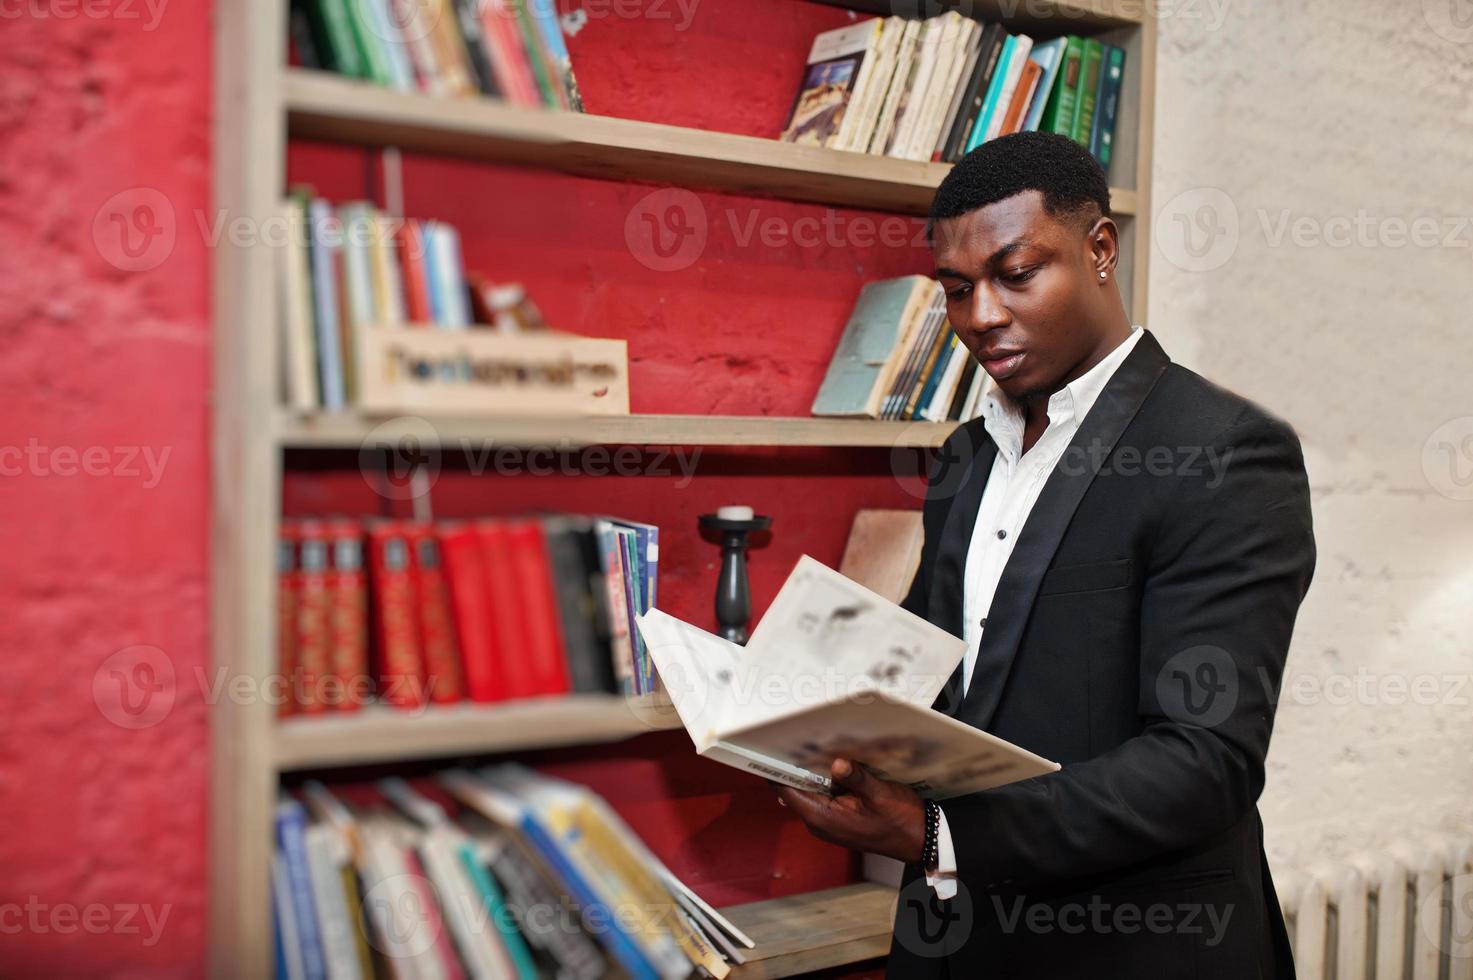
{"points": [[36, 917], [123, 462]]}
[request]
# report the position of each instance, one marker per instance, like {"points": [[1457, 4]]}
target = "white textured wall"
{"points": [[1352, 119]]}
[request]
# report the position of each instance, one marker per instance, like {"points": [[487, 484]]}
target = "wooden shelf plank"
{"points": [[349, 430], [815, 930], [324, 106], [376, 735], [1076, 15]]}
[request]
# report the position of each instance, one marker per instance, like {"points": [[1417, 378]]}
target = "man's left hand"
{"points": [[866, 812]]}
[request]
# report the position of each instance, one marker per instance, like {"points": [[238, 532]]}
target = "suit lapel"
{"points": [[948, 575], [1118, 403]]}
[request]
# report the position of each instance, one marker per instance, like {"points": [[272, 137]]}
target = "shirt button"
{"points": [[1001, 535], [984, 622]]}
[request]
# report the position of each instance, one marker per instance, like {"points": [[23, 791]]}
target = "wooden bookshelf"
{"points": [[380, 734], [1046, 17], [259, 104], [816, 930], [347, 430], [328, 107]]}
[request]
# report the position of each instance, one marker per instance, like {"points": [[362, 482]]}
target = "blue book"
{"points": [[429, 232], [1049, 56], [630, 565], [325, 296], [610, 933], [291, 829], [943, 357], [990, 105]]}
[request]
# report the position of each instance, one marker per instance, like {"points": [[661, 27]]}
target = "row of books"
{"points": [[351, 267], [936, 89], [898, 358], [409, 613], [505, 49], [497, 873]]}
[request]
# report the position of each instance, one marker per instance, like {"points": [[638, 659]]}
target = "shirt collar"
{"points": [[1003, 418]]}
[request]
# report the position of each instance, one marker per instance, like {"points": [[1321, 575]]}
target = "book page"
{"points": [[697, 668], [825, 636], [936, 755]]}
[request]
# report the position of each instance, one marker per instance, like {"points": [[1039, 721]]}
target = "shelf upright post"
{"points": [[249, 162]]}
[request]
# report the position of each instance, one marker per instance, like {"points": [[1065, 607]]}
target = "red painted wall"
{"points": [[108, 123]]}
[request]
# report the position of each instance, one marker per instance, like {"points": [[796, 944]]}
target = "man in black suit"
{"points": [[1124, 546]]}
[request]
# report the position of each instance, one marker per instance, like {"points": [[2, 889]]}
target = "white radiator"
{"points": [[1405, 915]]}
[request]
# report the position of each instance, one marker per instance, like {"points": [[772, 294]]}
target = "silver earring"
{"points": [[1102, 275]]}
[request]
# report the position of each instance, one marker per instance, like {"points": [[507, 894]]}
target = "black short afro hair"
{"points": [[1072, 182]]}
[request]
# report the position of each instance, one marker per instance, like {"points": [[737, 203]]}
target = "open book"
{"points": [[833, 670]]}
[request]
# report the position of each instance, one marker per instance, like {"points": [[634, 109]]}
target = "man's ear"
{"points": [[1104, 245]]}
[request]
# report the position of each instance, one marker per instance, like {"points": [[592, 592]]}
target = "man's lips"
{"points": [[1001, 363]]}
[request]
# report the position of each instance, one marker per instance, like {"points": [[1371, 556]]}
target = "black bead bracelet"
{"points": [[930, 856]]}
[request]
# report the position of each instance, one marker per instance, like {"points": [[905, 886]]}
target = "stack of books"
{"points": [[501, 873], [411, 613], [349, 268], [899, 359], [936, 89], [505, 49]]}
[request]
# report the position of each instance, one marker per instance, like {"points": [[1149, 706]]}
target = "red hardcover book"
{"points": [[314, 618], [286, 613], [437, 641], [348, 583], [508, 614], [544, 653], [504, 46], [465, 571], [400, 665], [411, 241]]}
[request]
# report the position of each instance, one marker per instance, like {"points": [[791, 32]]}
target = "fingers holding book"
{"points": [[866, 812]]}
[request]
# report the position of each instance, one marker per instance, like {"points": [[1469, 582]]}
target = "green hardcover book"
{"points": [[370, 45], [497, 912], [332, 23], [1058, 115], [1089, 88]]}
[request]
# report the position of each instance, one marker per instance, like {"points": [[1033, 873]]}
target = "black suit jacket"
{"points": [[1137, 637]]}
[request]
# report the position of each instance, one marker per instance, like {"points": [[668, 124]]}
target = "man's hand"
{"points": [[866, 813]]}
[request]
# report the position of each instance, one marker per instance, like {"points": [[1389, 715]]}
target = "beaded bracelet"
{"points": [[930, 856]]}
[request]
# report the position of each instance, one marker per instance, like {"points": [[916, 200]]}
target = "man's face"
{"points": [[1023, 293]]}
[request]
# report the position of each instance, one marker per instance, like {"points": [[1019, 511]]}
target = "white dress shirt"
{"points": [[1013, 487]]}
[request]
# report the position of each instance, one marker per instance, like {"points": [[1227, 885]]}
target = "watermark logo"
{"points": [[666, 230], [1198, 686], [1446, 918], [1447, 458], [400, 458], [399, 21], [135, 687], [400, 905], [929, 926], [135, 230], [1451, 20], [945, 470], [1197, 230]]}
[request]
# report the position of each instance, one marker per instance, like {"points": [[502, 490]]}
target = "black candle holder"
{"points": [[733, 596]]}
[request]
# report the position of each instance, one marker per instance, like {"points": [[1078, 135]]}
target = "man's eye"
{"points": [[958, 293], [1020, 276]]}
